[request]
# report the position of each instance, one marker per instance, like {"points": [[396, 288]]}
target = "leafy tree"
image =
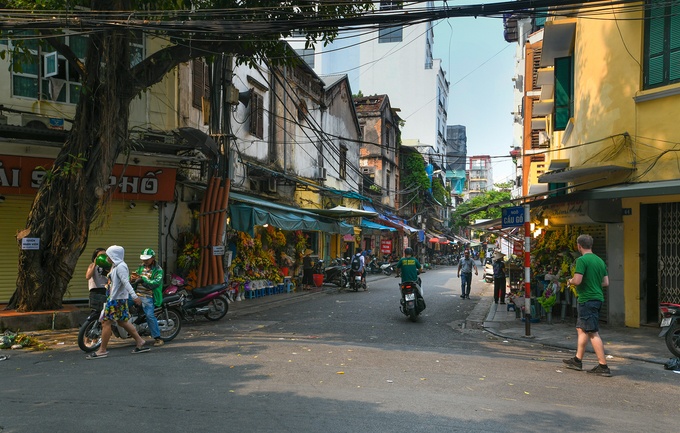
{"points": [[414, 178], [77, 189], [439, 192], [485, 203]]}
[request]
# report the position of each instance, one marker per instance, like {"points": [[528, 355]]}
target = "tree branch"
{"points": [[63, 49]]}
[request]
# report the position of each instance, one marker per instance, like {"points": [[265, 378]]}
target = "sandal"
{"points": [[141, 349], [95, 355]]}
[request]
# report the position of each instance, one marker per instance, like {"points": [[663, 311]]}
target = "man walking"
{"points": [[589, 277], [465, 268]]}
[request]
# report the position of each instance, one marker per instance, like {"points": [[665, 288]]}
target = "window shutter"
{"points": [[674, 39], [563, 92], [197, 85], [256, 115], [206, 81], [655, 53]]}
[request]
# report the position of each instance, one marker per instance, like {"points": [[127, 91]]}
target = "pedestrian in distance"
{"points": [[118, 291], [148, 284], [307, 270], [499, 280], [465, 268], [590, 276]]}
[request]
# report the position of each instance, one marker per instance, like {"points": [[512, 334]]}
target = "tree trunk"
{"points": [[76, 188]]}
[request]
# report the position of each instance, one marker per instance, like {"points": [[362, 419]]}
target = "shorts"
{"points": [[115, 310], [589, 316]]}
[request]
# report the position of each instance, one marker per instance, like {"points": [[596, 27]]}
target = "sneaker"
{"points": [[601, 370], [141, 349], [158, 342], [462, 296], [573, 363]]}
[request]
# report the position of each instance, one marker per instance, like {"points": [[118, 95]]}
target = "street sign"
{"points": [[513, 216]]}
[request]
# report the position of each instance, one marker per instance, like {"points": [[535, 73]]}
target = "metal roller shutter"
{"points": [[133, 229], [14, 211]]}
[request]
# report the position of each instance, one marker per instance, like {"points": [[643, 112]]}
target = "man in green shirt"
{"points": [[590, 276], [409, 267], [148, 282]]}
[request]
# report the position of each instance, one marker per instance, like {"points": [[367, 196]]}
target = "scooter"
{"points": [[211, 302], [373, 266], [357, 281], [168, 316], [335, 274], [387, 268], [670, 326], [412, 303]]}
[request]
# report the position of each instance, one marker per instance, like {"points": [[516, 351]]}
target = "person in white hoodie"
{"points": [[118, 290]]}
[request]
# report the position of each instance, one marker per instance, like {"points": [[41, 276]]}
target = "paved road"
{"points": [[336, 362]]}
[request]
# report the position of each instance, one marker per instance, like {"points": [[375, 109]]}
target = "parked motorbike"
{"points": [[334, 274], [373, 266], [670, 326], [388, 268], [412, 304], [168, 316], [211, 302]]}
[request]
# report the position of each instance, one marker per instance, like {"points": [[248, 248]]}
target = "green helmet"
{"points": [[102, 262]]}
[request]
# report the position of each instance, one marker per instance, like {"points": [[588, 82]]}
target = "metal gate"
{"points": [[669, 252]]}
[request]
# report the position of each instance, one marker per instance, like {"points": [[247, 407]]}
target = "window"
{"points": [[200, 83], [256, 115], [63, 83], [564, 92], [389, 34], [343, 162], [307, 55], [662, 44]]}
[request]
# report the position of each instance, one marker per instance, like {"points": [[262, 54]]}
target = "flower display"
{"points": [[548, 297]]}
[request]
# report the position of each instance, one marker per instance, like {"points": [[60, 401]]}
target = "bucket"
{"points": [[318, 279], [284, 271]]}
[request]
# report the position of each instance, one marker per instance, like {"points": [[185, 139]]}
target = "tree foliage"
{"points": [[414, 178], [79, 188], [485, 202]]}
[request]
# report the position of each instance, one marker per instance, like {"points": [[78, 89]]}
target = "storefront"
{"points": [[133, 220]]}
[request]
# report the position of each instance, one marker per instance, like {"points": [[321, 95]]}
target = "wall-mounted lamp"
{"points": [[532, 226], [132, 205], [545, 222], [2, 198], [265, 225], [155, 205]]}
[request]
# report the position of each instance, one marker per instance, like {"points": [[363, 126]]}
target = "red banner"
{"points": [[518, 248], [23, 175], [386, 246]]}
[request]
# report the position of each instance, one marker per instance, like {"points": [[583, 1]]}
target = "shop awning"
{"points": [[406, 227], [375, 226], [248, 212], [344, 212]]}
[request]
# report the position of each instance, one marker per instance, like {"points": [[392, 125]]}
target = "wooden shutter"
{"points": [[256, 115], [197, 83]]}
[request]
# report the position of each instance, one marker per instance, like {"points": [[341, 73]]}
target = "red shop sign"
{"points": [[23, 175], [386, 246]]}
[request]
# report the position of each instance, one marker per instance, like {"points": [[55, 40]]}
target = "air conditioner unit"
{"points": [[321, 173], [270, 186], [35, 121]]}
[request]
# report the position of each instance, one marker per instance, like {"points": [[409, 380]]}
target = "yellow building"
{"points": [[615, 139]]}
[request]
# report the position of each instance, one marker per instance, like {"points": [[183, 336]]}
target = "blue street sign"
{"points": [[513, 216]]}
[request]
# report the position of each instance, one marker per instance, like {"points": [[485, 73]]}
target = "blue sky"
{"points": [[479, 66]]}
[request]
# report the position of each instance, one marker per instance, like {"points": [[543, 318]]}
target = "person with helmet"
{"points": [[96, 277], [148, 282], [409, 267]]}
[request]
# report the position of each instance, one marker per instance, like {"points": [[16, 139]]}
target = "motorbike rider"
{"points": [[359, 269], [408, 268], [148, 283]]}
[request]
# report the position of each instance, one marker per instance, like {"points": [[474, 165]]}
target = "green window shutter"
{"points": [[674, 42], [655, 46], [564, 93]]}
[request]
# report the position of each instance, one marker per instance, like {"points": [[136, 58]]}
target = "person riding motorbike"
{"points": [[408, 268]]}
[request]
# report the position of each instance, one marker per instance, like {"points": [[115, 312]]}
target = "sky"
{"points": [[479, 66]]}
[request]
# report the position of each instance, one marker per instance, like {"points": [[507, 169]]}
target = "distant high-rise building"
{"points": [[456, 152]]}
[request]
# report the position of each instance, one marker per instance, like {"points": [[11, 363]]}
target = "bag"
{"points": [[672, 364], [356, 263]]}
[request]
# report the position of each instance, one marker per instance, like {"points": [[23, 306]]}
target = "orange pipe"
{"points": [[212, 222], [220, 227], [201, 233], [206, 233], [213, 235]]}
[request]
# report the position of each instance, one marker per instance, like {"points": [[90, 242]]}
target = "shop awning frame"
{"points": [[248, 212]]}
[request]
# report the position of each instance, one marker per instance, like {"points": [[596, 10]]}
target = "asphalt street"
{"points": [[333, 361]]}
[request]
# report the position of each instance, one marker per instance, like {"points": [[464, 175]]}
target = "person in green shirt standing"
{"points": [[148, 282], [590, 276]]}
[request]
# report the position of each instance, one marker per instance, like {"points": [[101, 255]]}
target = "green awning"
{"points": [[248, 212]]}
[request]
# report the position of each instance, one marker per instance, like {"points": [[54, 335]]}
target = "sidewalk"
{"points": [[641, 344]]}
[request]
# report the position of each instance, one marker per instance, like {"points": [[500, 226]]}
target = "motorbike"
{"points": [[168, 316], [373, 266], [335, 274], [211, 302], [670, 326], [356, 281], [387, 268], [412, 304]]}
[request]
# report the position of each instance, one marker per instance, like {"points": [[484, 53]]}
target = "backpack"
{"points": [[355, 264]]}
